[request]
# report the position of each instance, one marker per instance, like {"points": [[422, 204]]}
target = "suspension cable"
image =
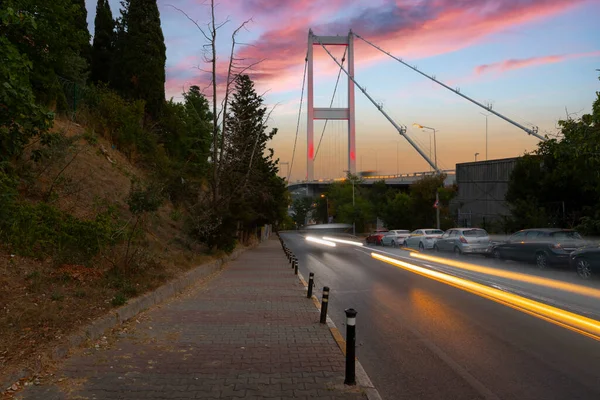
{"points": [[532, 132], [331, 103], [299, 114], [401, 130]]}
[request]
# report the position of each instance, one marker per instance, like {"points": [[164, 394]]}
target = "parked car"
{"points": [[586, 261], [423, 238], [375, 236], [463, 240], [395, 238], [544, 247]]}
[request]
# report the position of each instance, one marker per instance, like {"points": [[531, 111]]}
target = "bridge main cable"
{"points": [[401, 130], [299, 114], [532, 132]]}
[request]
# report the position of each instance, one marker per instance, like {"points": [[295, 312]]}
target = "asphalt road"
{"points": [[422, 339]]}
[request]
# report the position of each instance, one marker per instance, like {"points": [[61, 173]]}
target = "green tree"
{"points": [[340, 195], [398, 212], [422, 193], [300, 209], [250, 192], [140, 54], [559, 184], [80, 23], [20, 117], [104, 37], [250, 166], [53, 48]]}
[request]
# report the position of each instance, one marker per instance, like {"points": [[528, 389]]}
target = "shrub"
{"points": [[42, 230]]}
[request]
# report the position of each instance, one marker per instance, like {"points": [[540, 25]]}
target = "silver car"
{"points": [[464, 240], [423, 239], [395, 237]]}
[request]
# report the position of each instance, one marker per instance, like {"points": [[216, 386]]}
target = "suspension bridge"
{"points": [[338, 155]]}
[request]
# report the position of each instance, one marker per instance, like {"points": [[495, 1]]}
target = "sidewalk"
{"points": [[249, 333]]}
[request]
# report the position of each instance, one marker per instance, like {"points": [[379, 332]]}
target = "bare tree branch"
{"points": [[191, 20], [227, 86]]}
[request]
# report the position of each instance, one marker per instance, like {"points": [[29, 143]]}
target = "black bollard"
{"points": [[311, 282], [350, 346], [294, 261], [295, 266], [324, 302]]}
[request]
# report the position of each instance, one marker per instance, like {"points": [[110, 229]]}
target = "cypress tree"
{"points": [[80, 22], [141, 54], [104, 36]]}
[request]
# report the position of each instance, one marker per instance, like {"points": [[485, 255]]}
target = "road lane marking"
{"points": [[574, 322]]}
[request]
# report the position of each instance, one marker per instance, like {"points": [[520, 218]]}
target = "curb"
{"points": [[135, 306], [362, 379]]}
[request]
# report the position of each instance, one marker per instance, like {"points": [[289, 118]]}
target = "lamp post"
{"points": [[476, 154], [434, 143], [397, 165], [437, 198], [327, 206], [486, 134]]}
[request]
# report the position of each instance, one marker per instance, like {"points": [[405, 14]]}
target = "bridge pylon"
{"points": [[329, 113]]}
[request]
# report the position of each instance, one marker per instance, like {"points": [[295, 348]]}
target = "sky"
{"points": [[533, 61]]}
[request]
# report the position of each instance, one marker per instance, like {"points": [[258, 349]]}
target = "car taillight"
{"points": [[462, 239]]}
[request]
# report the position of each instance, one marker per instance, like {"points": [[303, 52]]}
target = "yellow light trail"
{"points": [[536, 280], [577, 323]]}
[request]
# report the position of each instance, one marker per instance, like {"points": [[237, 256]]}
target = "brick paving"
{"points": [[249, 333]]}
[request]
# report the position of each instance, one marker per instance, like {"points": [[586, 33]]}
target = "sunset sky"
{"points": [[533, 60]]}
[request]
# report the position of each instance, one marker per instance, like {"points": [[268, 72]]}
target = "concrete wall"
{"points": [[482, 187]]}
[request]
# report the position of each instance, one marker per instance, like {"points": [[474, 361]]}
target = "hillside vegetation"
{"points": [[108, 190]]}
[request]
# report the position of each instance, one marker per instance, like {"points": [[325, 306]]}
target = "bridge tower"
{"points": [[330, 113]]}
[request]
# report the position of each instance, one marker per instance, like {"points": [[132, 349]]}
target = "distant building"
{"points": [[482, 187]]}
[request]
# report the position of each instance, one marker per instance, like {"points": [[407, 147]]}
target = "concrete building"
{"points": [[482, 187]]}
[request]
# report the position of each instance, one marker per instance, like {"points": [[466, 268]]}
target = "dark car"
{"points": [[586, 261], [544, 247], [376, 236]]}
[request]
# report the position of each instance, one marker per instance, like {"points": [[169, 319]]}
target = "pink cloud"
{"points": [[507, 65], [415, 30]]}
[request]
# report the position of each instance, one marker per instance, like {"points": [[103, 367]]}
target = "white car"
{"points": [[395, 237], [423, 239]]}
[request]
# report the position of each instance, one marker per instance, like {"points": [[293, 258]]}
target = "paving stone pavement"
{"points": [[249, 333]]}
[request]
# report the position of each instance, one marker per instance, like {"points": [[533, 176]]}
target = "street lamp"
{"points": [[437, 198], [397, 167], [327, 206], [434, 143], [486, 134], [476, 154]]}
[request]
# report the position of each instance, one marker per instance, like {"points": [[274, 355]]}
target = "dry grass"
{"points": [[42, 302]]}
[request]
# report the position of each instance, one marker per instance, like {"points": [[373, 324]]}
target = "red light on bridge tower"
{"points": [[330, 113]]}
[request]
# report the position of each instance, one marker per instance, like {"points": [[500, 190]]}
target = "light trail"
{"points": [[342, 241], [536, 280], [576, 323], [320, 241]]}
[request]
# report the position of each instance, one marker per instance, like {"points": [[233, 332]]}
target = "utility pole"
{"points": [[397, 165], [437, 209], [486, 134]]}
